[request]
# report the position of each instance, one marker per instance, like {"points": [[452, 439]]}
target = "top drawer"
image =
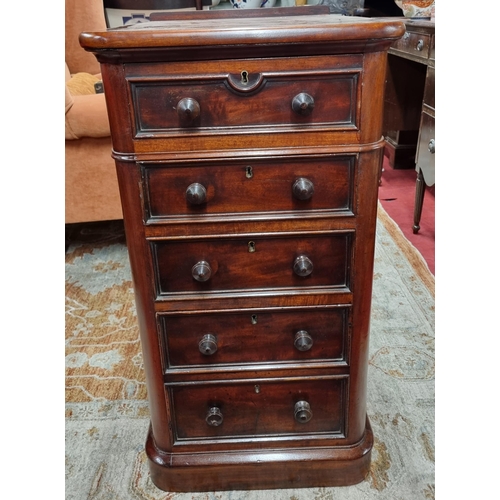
{"points": [[245, 96], [414, 44]]}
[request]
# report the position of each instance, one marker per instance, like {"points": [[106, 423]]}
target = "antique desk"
{"points": [[248, 153], [409, 112]]}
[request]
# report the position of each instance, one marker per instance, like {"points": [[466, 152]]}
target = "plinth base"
{"points": [[260, 469]]}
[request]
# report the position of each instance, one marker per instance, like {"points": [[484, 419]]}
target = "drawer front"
{"points": [[259, 408], [429, 91], [239, 187], [245, 95], [426, 149], [266, 337], [252, 263], [414, 44]]}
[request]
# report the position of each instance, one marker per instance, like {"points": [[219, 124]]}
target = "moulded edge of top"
{"points": [[277, 30]]}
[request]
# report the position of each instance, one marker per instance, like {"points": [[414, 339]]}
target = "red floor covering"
{"points": [[397, 196]]}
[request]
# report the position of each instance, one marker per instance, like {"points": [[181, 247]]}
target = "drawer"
{"points": [[429, 91], [425, 149], [254, 262], [257, 408], [239, 187], [245, 95], [413, 44], [266, 337]]}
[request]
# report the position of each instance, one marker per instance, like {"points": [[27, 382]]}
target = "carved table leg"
{"points": [[419, 201]]}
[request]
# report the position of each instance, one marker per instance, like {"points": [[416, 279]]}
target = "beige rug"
{"points": [[106, 400]]}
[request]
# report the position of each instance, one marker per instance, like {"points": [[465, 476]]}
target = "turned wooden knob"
{"points": [[303, 104], [188, 110], [214, 417], [303, 188], [302, 412], [303, 341], [201, 271], [196, 194], [302, 266], [208, 344]]}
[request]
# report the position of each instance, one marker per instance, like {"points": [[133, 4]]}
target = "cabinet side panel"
{"points": [[142, 275], [372, 100], [362, 280], [116, 92]]}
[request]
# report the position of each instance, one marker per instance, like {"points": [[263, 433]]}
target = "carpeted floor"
{"points": [[106, 400], [397, 197]]}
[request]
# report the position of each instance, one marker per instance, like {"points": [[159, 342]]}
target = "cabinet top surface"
{"points": [[245, 31]]}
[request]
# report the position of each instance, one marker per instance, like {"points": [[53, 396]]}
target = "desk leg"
{"points": [[419, 201]]}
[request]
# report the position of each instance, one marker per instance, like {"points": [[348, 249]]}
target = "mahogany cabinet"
{"points": [[248, 153]]}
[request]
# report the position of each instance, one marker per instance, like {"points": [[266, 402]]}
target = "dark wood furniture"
{"points": [[426, 148], [407, 78], [409, 112], [248, 153]]}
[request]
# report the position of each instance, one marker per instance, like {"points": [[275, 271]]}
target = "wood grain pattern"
{"points": [[270, 266], [249, 187], [225, 104], [229, 274], [262, 410], [255, 336]]}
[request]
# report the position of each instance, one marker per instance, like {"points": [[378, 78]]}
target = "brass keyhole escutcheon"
{"points": [[248, 172], [251, 246], [253, 319], [257, 389], [244, 77]]}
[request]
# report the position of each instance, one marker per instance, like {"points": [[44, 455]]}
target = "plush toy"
{"points": [[82, 83], [86, 114]]}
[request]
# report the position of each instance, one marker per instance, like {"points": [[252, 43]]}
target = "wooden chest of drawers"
{"points": [[248, 154]]}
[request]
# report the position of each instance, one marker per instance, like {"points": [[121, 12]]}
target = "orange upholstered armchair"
{"points": [[91, 184]]}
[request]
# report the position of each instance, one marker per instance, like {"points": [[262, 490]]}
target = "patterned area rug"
{"points": [[106, 401]]}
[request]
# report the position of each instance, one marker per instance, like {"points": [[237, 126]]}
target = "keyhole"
{"points": [[253, 319], [244, 77], [249, 172], [251, 246]]}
